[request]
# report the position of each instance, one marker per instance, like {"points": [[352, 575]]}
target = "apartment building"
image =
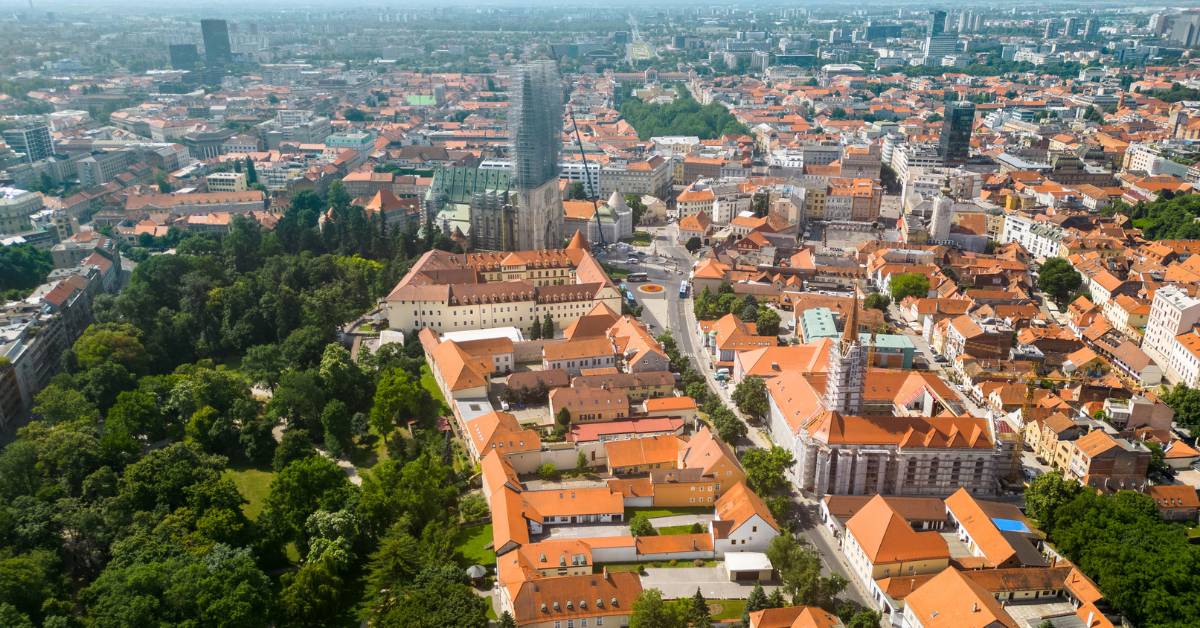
{"points": [[1169, 339], [226, 182]]}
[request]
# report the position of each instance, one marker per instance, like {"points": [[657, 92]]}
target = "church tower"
{"points": [[846, 380]]}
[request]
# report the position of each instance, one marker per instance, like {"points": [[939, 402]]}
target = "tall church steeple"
{"points": [[847, 376]]}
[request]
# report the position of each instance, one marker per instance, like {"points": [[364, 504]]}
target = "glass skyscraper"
{"points": [[955, 142]]}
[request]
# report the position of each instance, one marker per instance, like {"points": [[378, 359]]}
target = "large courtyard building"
{"points": [[455, 292]]}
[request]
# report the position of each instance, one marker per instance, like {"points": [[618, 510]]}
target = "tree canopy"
{"points": [[909, 285], [683, 116], [1058, 279]]}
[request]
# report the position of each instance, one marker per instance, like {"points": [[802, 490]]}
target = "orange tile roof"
{"points": [[739, 504], [991, 542], [576, 597], [952, 600], [634, 452], [794, 617], [886, 537], [1174, 496], [665, 404], [571, 502]]}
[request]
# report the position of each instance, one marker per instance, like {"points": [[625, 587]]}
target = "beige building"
{"points": [[455, 292], [227, 182]]}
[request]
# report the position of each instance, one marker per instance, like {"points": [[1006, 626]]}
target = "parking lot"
{"points": [[713, 582]]}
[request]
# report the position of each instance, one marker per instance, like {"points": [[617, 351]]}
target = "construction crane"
{"points": [[587, 175]]}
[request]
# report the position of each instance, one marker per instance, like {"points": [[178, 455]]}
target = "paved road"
{"points": [[667, 311], [681, 320]]}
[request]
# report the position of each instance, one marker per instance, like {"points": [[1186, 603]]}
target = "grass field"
{"points": [[253, 484], [473, 541], [653, 513], [669, 530], [430, 384], [614, 272], [656, 564], [639, 238], [726, 609]]}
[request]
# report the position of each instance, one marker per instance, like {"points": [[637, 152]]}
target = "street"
{"points": [[667, 311]]}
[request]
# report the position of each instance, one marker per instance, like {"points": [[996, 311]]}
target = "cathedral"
{"points": [[856, 430]]}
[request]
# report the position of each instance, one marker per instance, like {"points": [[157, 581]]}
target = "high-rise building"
{"points": [[937, 23], [184, 56], [1070, 27], [1185, 30], [217, 50], [535, 123], [1091, 28], [955, 142], [964, 21], [938, 44], [33, 140], [1051, 30]]}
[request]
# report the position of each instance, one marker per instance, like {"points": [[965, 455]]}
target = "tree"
{"points": [[438, 598], [866, 619], [59, 404], [295, 445], [697, 612], [263, 364], [800, 571], [399, 398], [251, 175], [877, 301], [1045, 495], [23, 267], [1186, 404], [547, 327], [750, 395], [354, 115], [1058, 279], [119, 343], [163, 477], [756, 602], [300, 489], [575, 191], [535, 333], [651, 611], [1158, 464], [729, 428], [765, 468], [640, 525], [909, 284], [507, 621], [768, 321], [693, 244]]}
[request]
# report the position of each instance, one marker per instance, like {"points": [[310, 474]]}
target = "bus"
{"points": [[683, 289], [637, 277]]}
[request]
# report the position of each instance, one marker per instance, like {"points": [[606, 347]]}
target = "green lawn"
{"points": [[614, 272], [639, 238], [726, 609], [669, 530], [473, 541], [430, 384], [658, 564], [254, 485], [653, 513]]}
